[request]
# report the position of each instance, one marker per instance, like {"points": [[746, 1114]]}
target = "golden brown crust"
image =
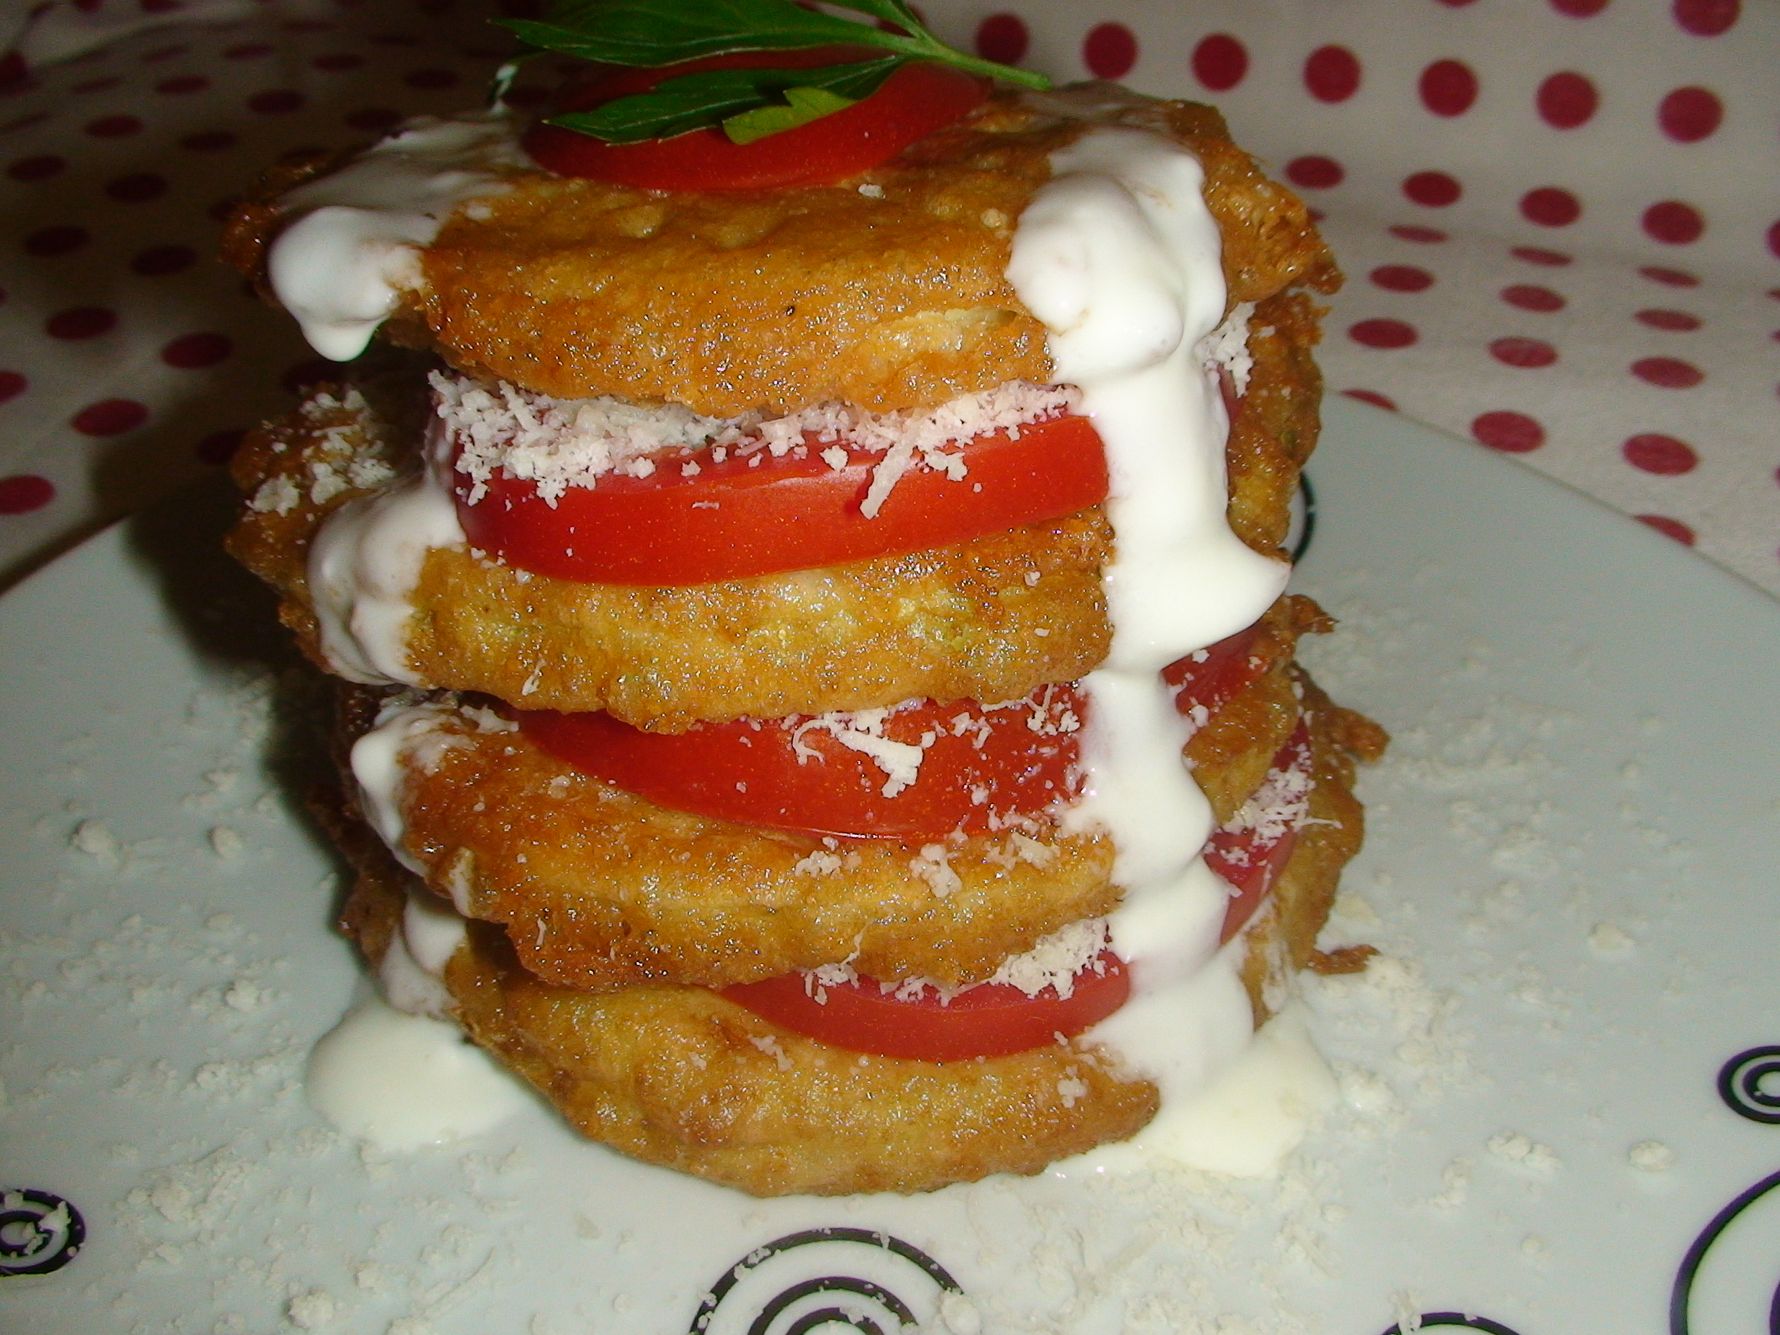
{"points": [[681, 1077], [887, 290], [1282, 941], [987, 619], [599, 888]]}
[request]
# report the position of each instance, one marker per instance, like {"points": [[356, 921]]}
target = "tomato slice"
{"points": [[1207, 679], [753, 513], [1251, 857], [918, 98], [995, 1019], [987, 1020], [975, 764]]}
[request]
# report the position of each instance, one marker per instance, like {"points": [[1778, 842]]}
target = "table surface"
{"points": [[1558, 219]]}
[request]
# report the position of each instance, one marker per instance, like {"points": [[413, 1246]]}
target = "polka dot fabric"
{"points": [[131, 360], [1557, 218]]}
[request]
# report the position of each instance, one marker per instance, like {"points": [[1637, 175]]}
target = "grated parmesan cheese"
{"points": [[561, 443], [934, 865], [1226, 347], [862, 730]]}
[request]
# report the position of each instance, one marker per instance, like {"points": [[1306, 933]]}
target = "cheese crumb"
{"points": [[1518, 1148], [933, 865], [1652, 1156]]}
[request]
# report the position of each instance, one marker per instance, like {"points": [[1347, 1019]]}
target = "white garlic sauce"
{"points": [[365, 562], [397, 1072], [354, 243], [1119, 257]]}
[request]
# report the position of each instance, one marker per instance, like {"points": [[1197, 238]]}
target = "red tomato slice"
{"points": [[988, 1020], [756, 514], [1206, 680], [977, 764], [917, 99], [993, 1020], [1251, 859]]}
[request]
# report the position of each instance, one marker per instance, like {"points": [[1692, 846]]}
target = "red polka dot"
{"points": [[1511, 432], [1690, 114], [1567, 99], [48, 242], [158, 261], [276, 102], [1220, 61], [1382, 333], [1706, 18], [1670, 528], [249, 51], [1109, 50], [1531, 297], [1679, 322], [23, 492], [1332, 73], [1774, 240], [137, 187], [80, 322], [1448, 87], [1669, 277], [220, 446], [12, 384], [334, 62], [38, 167], [1550, 206], [1417, 233], [1673, 222], [1314, 172], [1550, 259], [431, 77], [192, 351], [114, 127], [1004, 38], [1523, 353], [1432, 189], [1402, 278], [110, 417], [1373, 397], [181, 84], [1656, 453], [1667, 372], [1579, 9]]}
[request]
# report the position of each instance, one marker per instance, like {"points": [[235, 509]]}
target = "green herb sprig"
{"points": [[746, 103]]}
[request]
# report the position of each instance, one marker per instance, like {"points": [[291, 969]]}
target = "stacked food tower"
{"points": [[818, 696]]}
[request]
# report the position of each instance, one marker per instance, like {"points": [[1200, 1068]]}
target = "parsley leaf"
{"points": [[748, 103]]}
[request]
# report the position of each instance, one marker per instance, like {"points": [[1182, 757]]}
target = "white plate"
{"points": [[1562, 1080]]}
